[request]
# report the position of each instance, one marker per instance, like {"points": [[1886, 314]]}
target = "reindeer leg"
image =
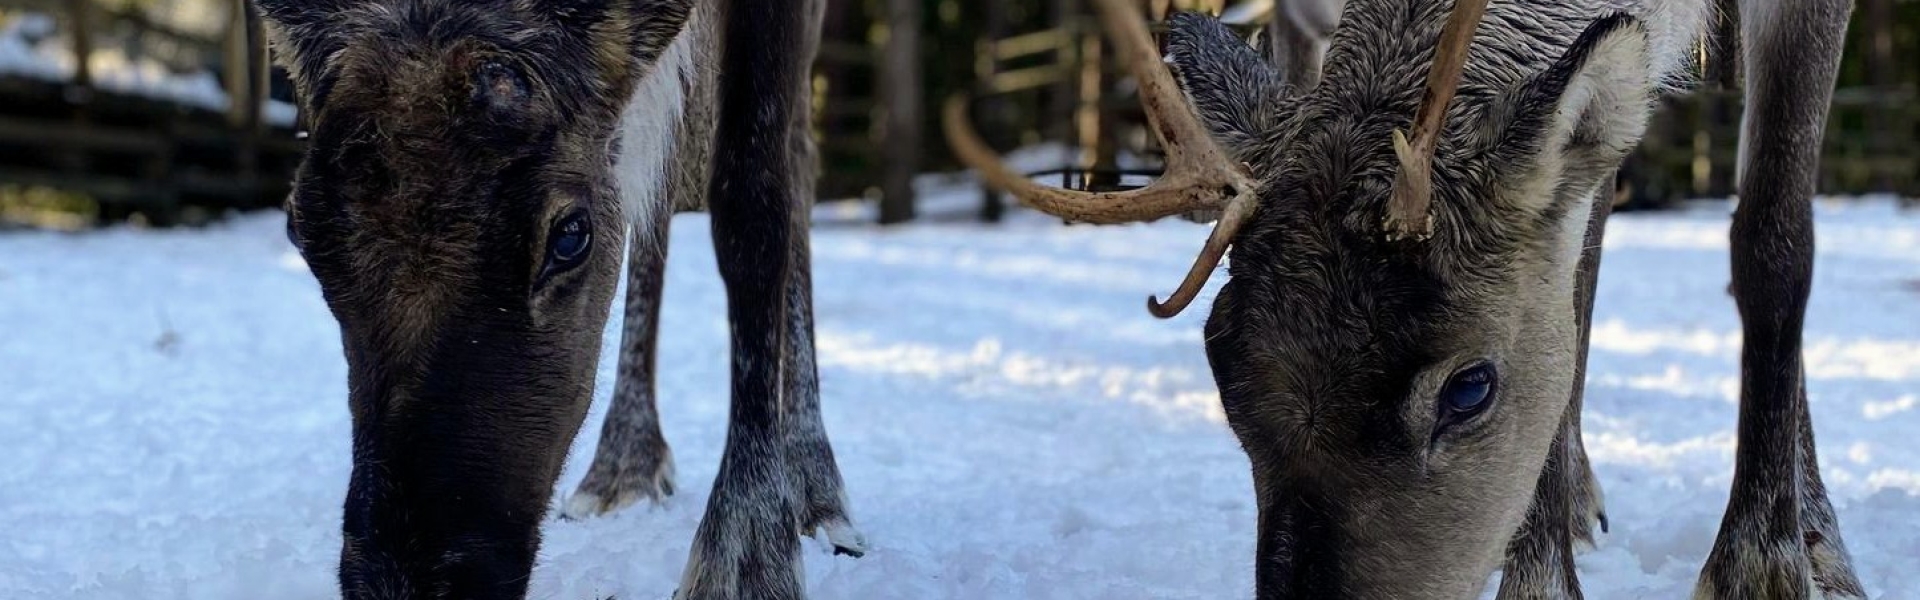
{"points": [[1778, 538], [1567, 501], [1540, 557], [1588, 502], [816, 477], [633, 460], [1826, 551], [822, 496], [748, 543]]}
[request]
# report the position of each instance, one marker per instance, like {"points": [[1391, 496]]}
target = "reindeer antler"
{"points": [[1199, 175], [1408, 210]]}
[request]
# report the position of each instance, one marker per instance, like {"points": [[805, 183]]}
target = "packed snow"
{"points": [[1011, 422]]}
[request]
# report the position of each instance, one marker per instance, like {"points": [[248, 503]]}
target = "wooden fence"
{"points": [[1039, 72], [137, 145], [1032, 84], [1872, 146]]}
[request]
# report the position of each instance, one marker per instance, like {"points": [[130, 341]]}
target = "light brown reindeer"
{"points": [[473, 171], [1401, 344]]}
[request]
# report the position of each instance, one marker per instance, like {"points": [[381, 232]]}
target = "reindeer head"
{"points": [[1395, 345], [457, 204]]}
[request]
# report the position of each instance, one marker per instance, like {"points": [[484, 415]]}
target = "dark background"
{"points": [[178, 117]]}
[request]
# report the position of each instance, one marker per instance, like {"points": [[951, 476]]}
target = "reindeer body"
{"points": [[1401, 344], [475, 166]]}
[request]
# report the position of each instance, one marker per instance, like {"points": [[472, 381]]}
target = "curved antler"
{"points": [[1199, 175], [1408, 210]]}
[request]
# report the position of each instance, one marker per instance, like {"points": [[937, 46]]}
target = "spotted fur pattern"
{"points": [[1332, 346]]}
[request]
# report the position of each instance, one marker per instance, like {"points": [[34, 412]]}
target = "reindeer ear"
{"points": [[1236, 93], [1582, 115], [300, 13], [656, 23], [296, 31]]}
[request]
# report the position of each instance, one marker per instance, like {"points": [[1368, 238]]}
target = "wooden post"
{"points": [[1878, 18], [900, 98], [1063, 99], [994, 27], [81, 11], [1089, 120], [233, 63], [259, 84], [79, 92]]}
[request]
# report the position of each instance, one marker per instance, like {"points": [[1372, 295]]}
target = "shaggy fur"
{"points": [[455, 145]]}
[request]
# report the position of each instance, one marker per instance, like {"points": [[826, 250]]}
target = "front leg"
{"points": [[633, 460], [1566, 501], [1539, 561], [1778, 538], [748, 543]]}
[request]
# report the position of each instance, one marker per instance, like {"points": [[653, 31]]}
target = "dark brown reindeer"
{"points": [[463, 203], [1402, 340]]}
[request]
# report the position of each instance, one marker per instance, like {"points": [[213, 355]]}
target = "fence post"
{"points": [[900, 98], [79, 92], [985, 63], [1062, 104]]}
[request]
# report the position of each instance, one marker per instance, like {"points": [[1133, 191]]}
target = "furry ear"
{"points": [[656, 23], [649, 25], [298, 36], [1580, 117], [1236, 93]]}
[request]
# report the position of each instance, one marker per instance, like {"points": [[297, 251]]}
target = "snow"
{"points": [[30, 48], [1011, 422]]}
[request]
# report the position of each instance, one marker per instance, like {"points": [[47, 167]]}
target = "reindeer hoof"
{"points": [[845, 539], [602, 494]]}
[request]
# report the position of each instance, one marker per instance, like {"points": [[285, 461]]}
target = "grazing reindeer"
{"points": [[463, 204], [1401, 342]]}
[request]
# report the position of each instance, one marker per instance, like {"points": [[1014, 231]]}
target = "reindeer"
{"points": [[1295, 38], [1401, 342], [473, 171]]}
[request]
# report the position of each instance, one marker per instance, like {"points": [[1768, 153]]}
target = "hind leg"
{"points": [[633, 461], [1778, 538], [809, 453], [816, 476]]}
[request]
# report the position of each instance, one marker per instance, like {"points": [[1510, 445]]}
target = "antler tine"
{"points": [[1238, 212], [1199, 175], [1408, 210]]}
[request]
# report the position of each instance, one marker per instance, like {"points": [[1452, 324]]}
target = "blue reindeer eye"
{"points": [[570, 240], [1468, 392]]}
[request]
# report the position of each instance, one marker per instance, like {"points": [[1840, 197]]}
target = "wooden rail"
{"points": [[1872, 145], [136, 151]]}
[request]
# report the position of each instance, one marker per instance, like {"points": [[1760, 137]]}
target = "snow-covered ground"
{"points": [[1011, 422]]}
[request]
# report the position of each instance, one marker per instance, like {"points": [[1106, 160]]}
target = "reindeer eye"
{"points": [[569, 241], [1467, 393]]}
